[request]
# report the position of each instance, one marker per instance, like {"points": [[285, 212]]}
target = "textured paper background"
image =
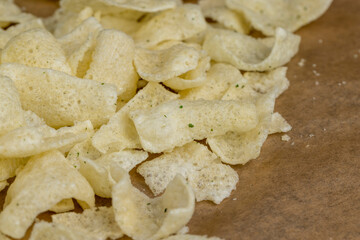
{"points": [[309, 187]]}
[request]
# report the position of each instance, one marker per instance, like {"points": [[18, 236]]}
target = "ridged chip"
{"points": [[208, 177], [45, 180], [61, 99], [178, 122], [251, 54], [143, 218]]}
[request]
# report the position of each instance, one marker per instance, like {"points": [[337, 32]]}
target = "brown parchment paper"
{"points": [[309, 187]]}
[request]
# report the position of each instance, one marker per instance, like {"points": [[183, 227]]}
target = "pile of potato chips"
{"points": [[91, 92]]}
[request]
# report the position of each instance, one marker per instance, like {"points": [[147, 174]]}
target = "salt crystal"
{"points": [[301, 63]]}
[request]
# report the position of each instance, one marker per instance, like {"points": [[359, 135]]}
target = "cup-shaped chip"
{"points": [[219, 78], [98, 223], [278, 124], [180, 23], [98, 171], [264, 14], [11, 113], [178, 122], [36, 48], [141, 217], [161, 65], [251, 54], [112, 62], [45, 180], [209, 178], [120, 133], [61, 99]]}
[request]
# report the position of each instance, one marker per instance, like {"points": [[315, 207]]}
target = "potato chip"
{"points": [[278, 124], [219, 78], [28, 141], [11, 113], [3, 185], [178, 122], [264, 15], [180, 23], [140, 217], [217, 11], [161, 65], [239, 148], [191, 237], [191, 79], [51, 231], [36, 48], [112, 62], [60, 98], [8, 167], [121, 23], [12, 31], [120, 133], [63, 206], [11, 13], [82, 150], [251, 54], [204, 172], [274, 81], [97, 172], [114, 6], [98, 223], [45, 180]]}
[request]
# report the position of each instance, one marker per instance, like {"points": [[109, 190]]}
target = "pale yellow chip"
{"points": [[98, 223], [115, 6], [122, 23], [161, 65], [191, 237], [140, 217], [219, 78], [267, 15], [51, 231], [27, 141], [112, 62], [82, 150], [204, 172], [98, 172], [61, 99], [11, 13], [278, 124], [180, 23], [193, 78], [45, 180], [178, 122], [3, 185], [226, 18], [9, 166], [120, 133], [251, 54], [11, 113], [12, 31], [36, 48]]}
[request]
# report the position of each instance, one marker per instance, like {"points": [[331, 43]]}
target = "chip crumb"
{"points": [[285, 138], [317, 83], [301, 63], [314, 65], [343, 82], [324, 129], [356, 55], [307, 146], [320, 41], [316, 73], [234, 199], [311, 135], [314, 98], [293, 143]]}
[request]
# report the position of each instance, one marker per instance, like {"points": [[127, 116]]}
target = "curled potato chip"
{"points": [[46, 231], [98, 223], [12, 31], [204, 172], [112, 62], [140, 217], [278, 124], [114, 6], [62, 99], [217, 11], [97, 172], [63, 206], [35, 48], [11, 113], [82, 150], [161, 65], [120, 133], [11, 13], [45, 180], [250, 54], [178, 122], [219, 78], [28, 141], [190, 237], [191, 79], [264, 14], [180, 23]]}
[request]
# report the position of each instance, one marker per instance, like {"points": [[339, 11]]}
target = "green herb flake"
{"points": [[242, 86], [78, 154], [165, 116], [191, 125], [212, 130], [181, 106], [102, 83], [237, 85], [148, 204]]}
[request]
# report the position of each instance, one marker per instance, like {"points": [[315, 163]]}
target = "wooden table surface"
{"points": [[309, 187]]}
